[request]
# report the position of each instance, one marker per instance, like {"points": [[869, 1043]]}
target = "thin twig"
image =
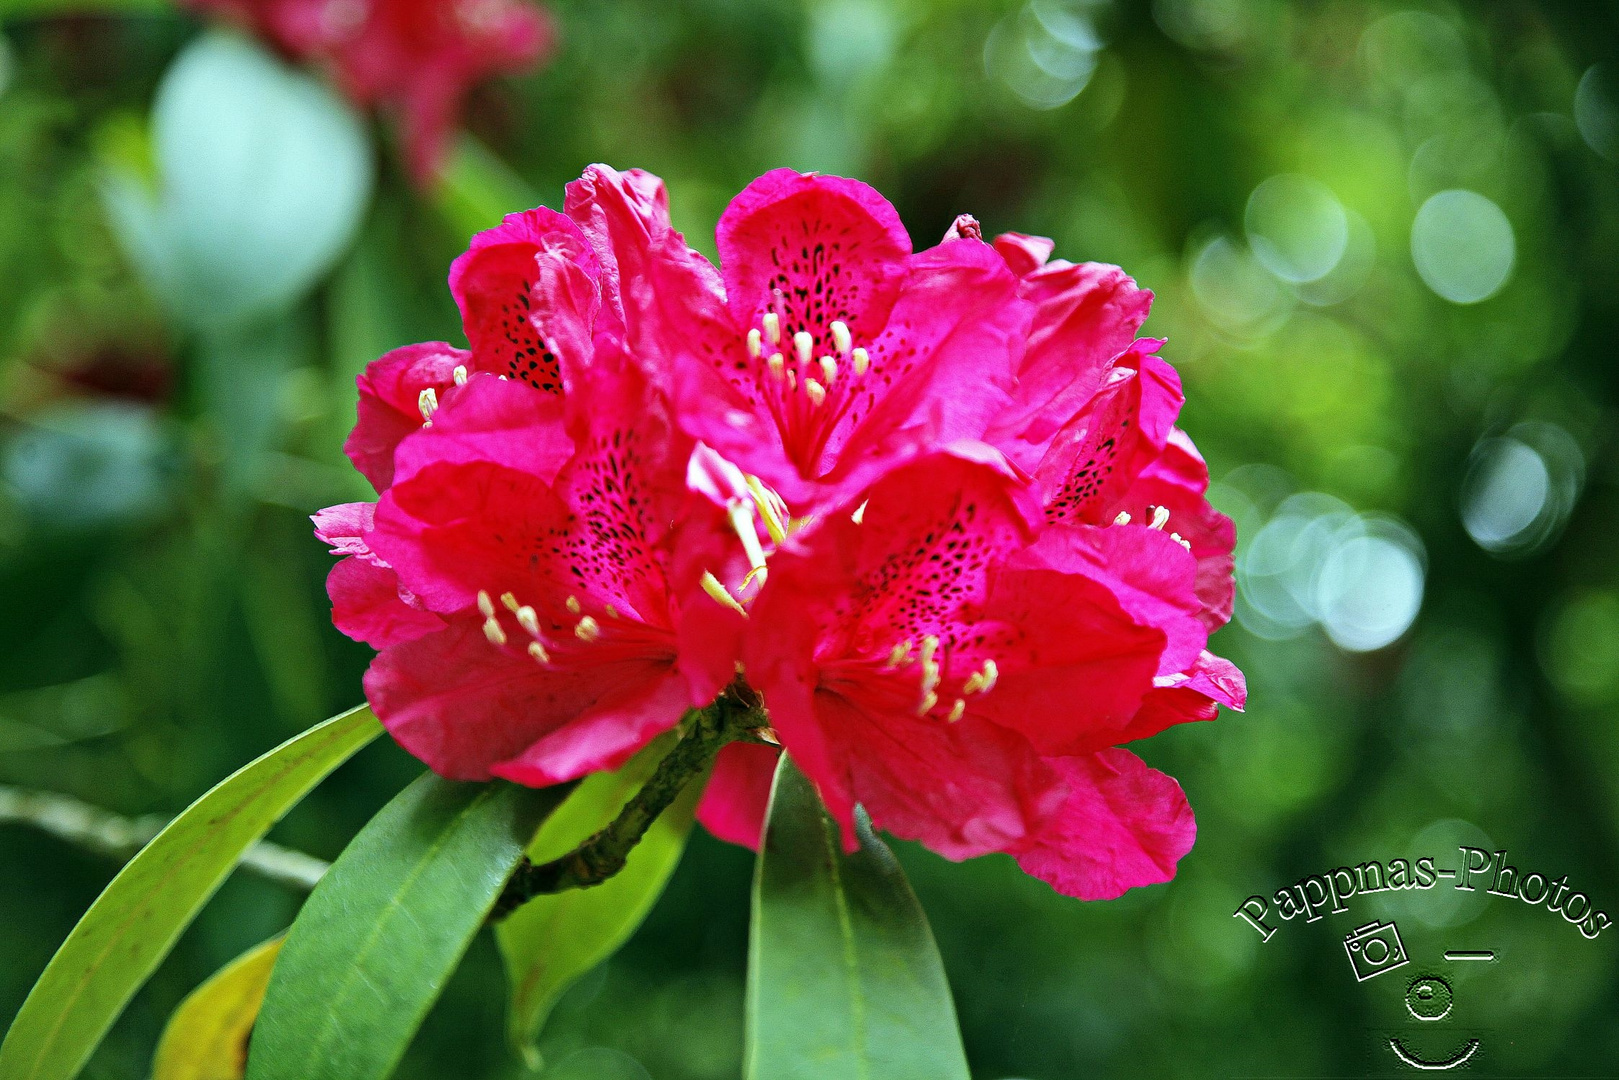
{"points": [[119, 837], [704, 733]]}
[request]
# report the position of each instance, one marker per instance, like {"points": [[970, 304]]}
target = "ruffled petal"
{"points": [[813, 249], [623, 215], [527, 290], [390, 403], [1188, 697], [464, 705], [1120, 825], [1178, 481], [367, 605], [1024, 254]]}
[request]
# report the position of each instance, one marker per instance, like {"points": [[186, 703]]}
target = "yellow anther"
{"points": [[1181, 540], [899, 654], [859, 515], [537, 651], [930, 647], [756, 346], [816, 392], [427, 402], [587, 629], [930, 665], [486, 606], [510, 600], [529, 620], [612, 612], [957, 711], [829, 368], [1160, 517], [777, 364], [862, 361], [792, 379], [804, 345], [459, 374], [492, 631], [929, 700], [572, 604], [991, 673], [772, 323], [742, 523], [840, 337], [716, 589], [1122, 518]]}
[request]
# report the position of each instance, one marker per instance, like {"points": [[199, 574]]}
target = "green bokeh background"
{"points": [[164, 618]]}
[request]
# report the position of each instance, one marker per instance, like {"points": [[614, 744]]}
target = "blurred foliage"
{"points": [[1425, 491]]}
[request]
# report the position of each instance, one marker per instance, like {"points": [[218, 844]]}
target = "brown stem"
{"points": [[730, 718]]}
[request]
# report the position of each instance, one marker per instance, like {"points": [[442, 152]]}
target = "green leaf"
{"points": [[844, 980], [380, 935], [206, 1038], [551, 941], [135, 921]]}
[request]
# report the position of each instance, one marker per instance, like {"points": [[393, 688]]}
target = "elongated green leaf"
{"points": [[133, 924], [206, 1038], [380, 935], [551, 941], [844, 980]]}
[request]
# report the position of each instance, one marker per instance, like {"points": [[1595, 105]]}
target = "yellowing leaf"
{"points": [[206, 1038]]}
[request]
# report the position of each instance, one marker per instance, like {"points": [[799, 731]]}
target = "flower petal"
{"points": [[1120, 826], [603, 737], [367, 605], [527, 294], [737, 797], [390, 403]]}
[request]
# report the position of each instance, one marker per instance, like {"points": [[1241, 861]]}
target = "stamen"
{"points": [[492, 631], [772, 323], [587, 629], [427, 402], [715, 588], [829, 368], [816, 392], [572, 604], [768, 508], [957, 711], [1181, 540], [529, 620], [929, 700], [980, 682], [899, 654], [1160, 517], [537, 651], [777, 364], [1123, 518], [612, 612], [859, 515], [991, 673], [756, 345], [862, 361], [792, 378], [510, 600], [486, 606], [804, 345], [930, 668], [459, 374], [742, 521], [840, 337]]}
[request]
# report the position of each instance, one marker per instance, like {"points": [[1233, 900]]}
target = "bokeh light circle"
{"points": [[1297, 227], [1463, 246], [1370, 587]]}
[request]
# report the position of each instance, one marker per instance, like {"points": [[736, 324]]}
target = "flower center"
{"points": [[807, 381]]}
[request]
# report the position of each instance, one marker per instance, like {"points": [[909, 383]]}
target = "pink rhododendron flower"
{"points": [[932, 506], [418, 57], [825, 349]]}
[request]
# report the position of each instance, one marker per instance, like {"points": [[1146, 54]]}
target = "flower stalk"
{"points": [[734, 715]]}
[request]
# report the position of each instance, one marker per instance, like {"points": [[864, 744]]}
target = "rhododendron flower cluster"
{"points": [[929, 510], [418, 57]]}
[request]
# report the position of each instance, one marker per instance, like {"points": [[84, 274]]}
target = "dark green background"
{"points": [[160, 628]]}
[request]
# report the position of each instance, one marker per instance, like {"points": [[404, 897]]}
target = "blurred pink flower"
{"points": [[415, 57]]}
